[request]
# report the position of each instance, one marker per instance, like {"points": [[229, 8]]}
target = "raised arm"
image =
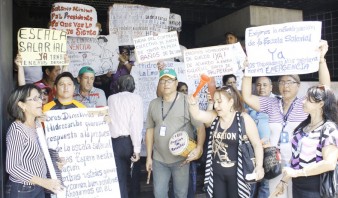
{"points": [[248, 97], [203, 116], [323, 72], [21, 72]]}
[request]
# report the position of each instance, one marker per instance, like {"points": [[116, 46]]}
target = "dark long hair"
{"points": [[19, 94], [329, 109], [232, 93]]}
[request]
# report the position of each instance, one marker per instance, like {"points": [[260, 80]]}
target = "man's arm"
{"points": [[149, 146]]}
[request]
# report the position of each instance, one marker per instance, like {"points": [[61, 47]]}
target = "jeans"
{"points": [[134, 190], [123, 150], [192, 182], [260, 189], [17, 190], [161, 175]]}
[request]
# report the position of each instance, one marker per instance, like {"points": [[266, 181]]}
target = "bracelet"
{"points": [[125, 62]]}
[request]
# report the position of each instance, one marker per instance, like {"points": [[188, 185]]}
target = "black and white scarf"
{"points": [[243, 187]]}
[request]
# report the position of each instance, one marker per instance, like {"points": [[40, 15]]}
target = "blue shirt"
{"points": [[262, 122]]}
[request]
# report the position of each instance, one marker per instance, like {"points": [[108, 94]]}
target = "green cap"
{"points": [[168, 72], [86, 69]]}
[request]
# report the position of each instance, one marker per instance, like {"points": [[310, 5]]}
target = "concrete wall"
{"points": [[6, 78], [237, 22]]}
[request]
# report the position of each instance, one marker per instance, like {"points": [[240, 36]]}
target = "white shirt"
{"points": [[126, 114]]}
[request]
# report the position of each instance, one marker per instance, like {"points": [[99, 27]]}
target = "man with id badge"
{"points": [[167, 115]]}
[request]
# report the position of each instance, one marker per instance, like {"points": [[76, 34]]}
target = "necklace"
{"points": [[311, 127]]}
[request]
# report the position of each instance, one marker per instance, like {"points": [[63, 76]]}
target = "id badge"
{"points": [[284, 137], [162, 130]]}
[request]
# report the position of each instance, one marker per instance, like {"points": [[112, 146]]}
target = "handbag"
{"points": [[328, 180], [329, 184], [272, 162], [248, 155]]}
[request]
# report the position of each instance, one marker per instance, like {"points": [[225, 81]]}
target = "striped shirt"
{"points": [[25, 158], [274, 108], [306, 148]]}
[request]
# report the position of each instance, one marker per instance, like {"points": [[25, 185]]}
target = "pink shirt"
{"points": [[126, 114]]}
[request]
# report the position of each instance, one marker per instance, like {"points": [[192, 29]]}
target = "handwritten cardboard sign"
{"points": [[175, 22], [76, 19], [151, 48], [289, 48], [39, 46], [130, 21], [82, 137], [100, 53], [213, 61]]}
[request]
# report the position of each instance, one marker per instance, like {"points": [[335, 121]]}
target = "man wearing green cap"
{"points": [[167, 115], [85, 92]]}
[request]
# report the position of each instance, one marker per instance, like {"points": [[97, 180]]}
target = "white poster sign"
{"points": [[214, 61], [130, 21], [289, 48], [82, 137], [100, 53], [39, 47], [152, 48], [175, 23], [75, 19]]}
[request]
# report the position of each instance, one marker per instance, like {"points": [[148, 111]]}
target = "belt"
{"points": [[122, 136]]}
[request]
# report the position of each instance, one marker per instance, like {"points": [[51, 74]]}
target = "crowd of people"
{"points": [[303, 128]]}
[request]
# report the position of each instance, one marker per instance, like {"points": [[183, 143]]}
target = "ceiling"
{"points": [[194, 12]]}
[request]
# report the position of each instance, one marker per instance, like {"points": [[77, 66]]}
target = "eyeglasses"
{"points": [[169, 81], [36, 98], [287, 83]]}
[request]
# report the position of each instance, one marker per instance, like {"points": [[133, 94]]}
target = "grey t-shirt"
{"points": [[174, 122]]}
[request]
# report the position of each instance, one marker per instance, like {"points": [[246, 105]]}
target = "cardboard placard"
{"points": [[152, 48], [82, 137], [214, 61], [131, 21], [40, 47], [75, 19], [100, 53], [289, 48]]}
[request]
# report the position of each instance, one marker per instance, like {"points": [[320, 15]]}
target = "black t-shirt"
{"points": [[225, 149]]}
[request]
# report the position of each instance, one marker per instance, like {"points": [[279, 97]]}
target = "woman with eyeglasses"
{"points": [[25, 162], [314, 144], [285, 113], [224, 176]]}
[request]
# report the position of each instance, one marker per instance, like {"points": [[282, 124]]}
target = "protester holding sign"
{"points": [[285, 113], [126, 114], [25, 162]]}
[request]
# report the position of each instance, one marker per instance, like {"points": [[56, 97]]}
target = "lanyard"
{"points": [[172, 104], [286, 116]]}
